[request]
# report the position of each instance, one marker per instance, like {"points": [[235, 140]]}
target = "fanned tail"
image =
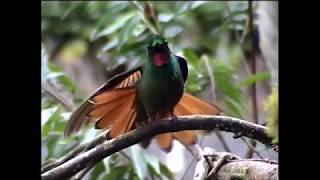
{"points": [[191, 105], [165, 141], [186, 137]]}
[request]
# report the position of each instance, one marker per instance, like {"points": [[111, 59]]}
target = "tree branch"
{"points": [[223, 165], [247, 169], [195, 122]]}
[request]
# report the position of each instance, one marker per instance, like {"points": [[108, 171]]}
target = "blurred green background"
{"points": [[86, 43]]}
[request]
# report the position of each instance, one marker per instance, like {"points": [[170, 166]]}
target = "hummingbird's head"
{"points": [[158, 50]]}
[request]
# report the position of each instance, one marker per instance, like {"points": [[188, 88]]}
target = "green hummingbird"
{"points": [[150, 92]]}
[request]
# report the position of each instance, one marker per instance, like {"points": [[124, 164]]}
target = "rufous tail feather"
{"points": [[191, 105], [186, 137], [165, 141]]}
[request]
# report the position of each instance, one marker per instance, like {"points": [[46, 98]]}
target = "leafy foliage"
{"points": [[271, 107], [118, 30]]}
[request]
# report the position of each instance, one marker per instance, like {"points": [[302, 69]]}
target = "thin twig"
{"points": [[187, 169], [223, 142], [195, 122], [125, 156], [211, 78], [195, 150], [238, 36], [252, 148], [150, 26], [240, 40], [52, 91], [213, 94], [193, 158], [253, 72]]}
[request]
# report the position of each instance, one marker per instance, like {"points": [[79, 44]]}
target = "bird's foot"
{"points": [[174, 118]]}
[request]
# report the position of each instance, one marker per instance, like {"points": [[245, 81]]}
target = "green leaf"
{"points": [[54, 68], [165, 17], [152, 172], [185, 7], [55, 75], [64, 80], [233, 107], [90, 134], [117, 7], [46, 114], [166, 171], [114, 9], [56, 72], [51, 145], [136, 47], [60, 147], [97, 170], [190, 55], [132, 174], [154, 163], [71, 7], [260, 76], [197, 4], [138, 29], [117, 173], [113, 160], [106, 163], [59, 126], [126, 32], [271, 109], [223, 75], [116, 24], [198, 76], [49, 124], [188, 6], [111, 44], [172, 31]]}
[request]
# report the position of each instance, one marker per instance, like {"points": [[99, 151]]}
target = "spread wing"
{"points": [[112, 91]]}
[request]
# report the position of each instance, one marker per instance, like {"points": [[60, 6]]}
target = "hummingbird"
{"points": [[147, 93]]}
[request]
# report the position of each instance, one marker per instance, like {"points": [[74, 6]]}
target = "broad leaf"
{"points": [[260, 76]]}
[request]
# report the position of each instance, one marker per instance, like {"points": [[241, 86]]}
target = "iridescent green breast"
{"points": [[160, 88]]}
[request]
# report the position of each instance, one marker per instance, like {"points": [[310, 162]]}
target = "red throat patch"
{"points": [[160, 58]]}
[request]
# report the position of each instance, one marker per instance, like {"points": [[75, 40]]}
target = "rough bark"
{"points": [[195, 122]]}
